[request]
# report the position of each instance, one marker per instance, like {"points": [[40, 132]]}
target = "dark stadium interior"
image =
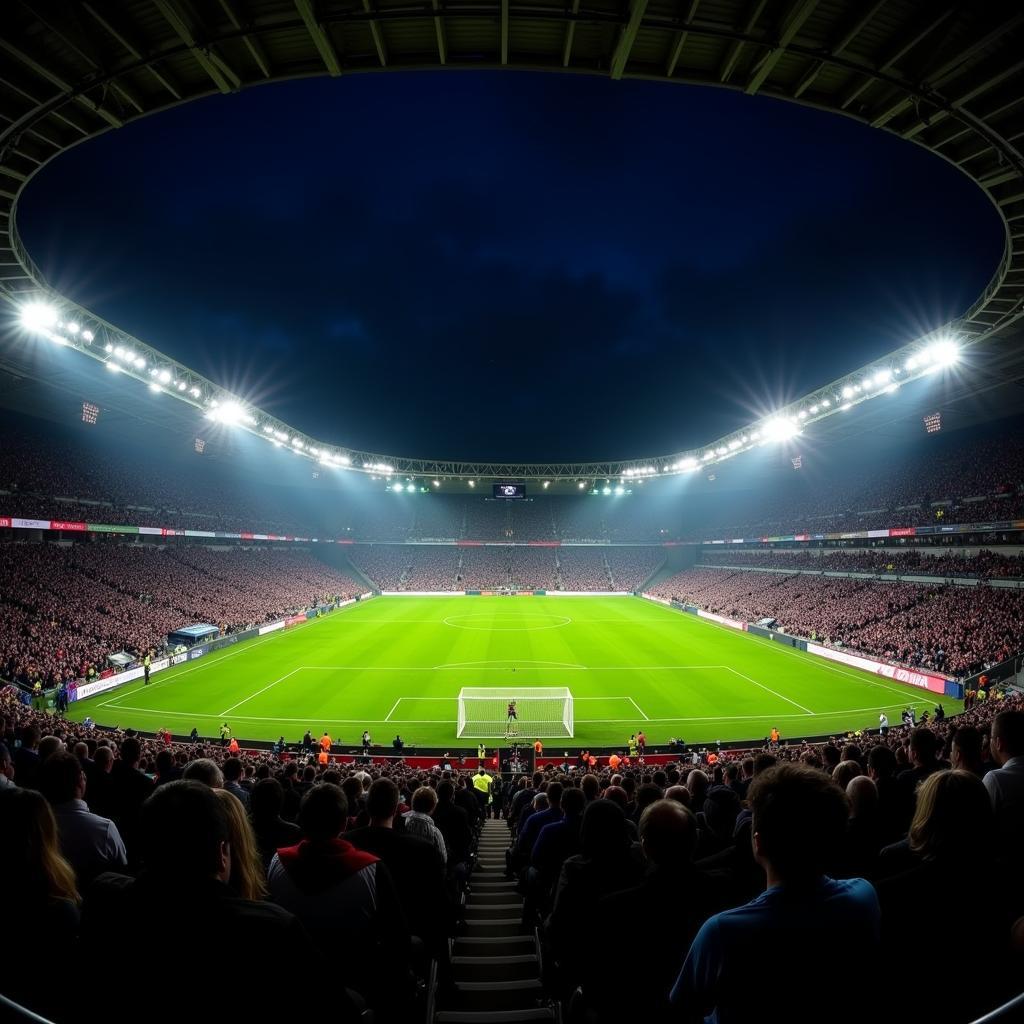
{"points": [[798, 274]]}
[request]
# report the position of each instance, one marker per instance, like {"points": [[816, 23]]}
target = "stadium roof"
{"points": [[947, 76]]}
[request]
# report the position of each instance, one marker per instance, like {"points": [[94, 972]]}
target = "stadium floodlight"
{"points": [[825, 403], [780, 429], [472, 483], [194, 392], [182, 385], [580, 484], [72, 327], [108, 348], [112, 366], [268, 429], [38, 316], [846, 406], [140, 363], [847, 392], [230, 413], [153, 386], [437, 483], [944, 352], [165, 376], [411, 488], [87, 336], [881, 378]]}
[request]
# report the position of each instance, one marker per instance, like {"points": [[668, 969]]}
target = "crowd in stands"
{"points": [[759, 878], [65, 608], [631, 567], [955, 630], [937, 561]]}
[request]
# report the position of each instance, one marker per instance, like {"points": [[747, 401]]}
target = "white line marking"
{"points": [[448, 721], [438, 668], [387, 717], [245, 700], [639, 709], [770, 690]]}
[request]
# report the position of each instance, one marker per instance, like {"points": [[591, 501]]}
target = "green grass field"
{"points": [[396, 665]]}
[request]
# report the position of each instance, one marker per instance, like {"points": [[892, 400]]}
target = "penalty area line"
{"points": [[245, 700]]}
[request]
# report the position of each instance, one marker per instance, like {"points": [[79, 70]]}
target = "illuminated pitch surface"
{"points": [[395, 665]]}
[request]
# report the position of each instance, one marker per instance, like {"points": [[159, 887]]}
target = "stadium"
{"points": [[465, 739]]}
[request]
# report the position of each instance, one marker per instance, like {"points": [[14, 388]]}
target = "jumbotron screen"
{"points": [[509, 490]]}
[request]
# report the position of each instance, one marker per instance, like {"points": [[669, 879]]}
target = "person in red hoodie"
{"points": [[345, 897]]}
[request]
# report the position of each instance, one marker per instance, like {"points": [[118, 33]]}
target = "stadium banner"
{"points": [[924, 680], [722, 620], [59, 524], [5, 522], [270, 628], [102, 685], [198, 652], [589, 593], [903, 531], [778, 636], [425, 593], [30, 524], [107, 528], [151, 531]]}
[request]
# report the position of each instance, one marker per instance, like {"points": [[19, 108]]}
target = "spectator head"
{"points": [[680, 794], [30, 852], [48, 746], [1007, 736], [246, 872], [6, 764], [61, 778], [424, 800], [799, 822], [81, 751], [591, 787], [966, 749], [721, 808], [382, 801], [698, 784], [953, 821], [923, 746], [445, 792], [646, 794], [863, 796], [668, 833], [266, 800], [323, 813], [603, 833], [554, 792], [184, 834], [844, 772], [203, 770], [131, 751], [573, 802], [104, 759], [353, 789], [617, 795], [30, 736], [540, 802], [763, 762], [232, 769], [164, 762], [881, 763]]}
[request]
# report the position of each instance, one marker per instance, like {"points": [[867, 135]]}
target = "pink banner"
{"points": [[56, 524], [912, 677]]}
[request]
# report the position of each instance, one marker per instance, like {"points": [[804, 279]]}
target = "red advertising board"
{"points": [[5, 522], [57, 524], [903, 531]]}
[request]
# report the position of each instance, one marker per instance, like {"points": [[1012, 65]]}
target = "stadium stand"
{"points": [[66, 607], [883, 817], [950, 629]]}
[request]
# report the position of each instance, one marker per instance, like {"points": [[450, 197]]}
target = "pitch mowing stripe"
{"points": [[806, 711]]}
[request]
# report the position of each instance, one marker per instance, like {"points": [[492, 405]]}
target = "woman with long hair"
{"points": [[39, 893], [247, 876]]}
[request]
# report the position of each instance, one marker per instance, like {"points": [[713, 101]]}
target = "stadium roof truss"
{"points": [[945, 75]]}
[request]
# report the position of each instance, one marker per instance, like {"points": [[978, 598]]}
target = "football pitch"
{"points": [[396, 664]]}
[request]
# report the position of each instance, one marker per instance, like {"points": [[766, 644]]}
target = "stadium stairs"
{"points": [[357, 574], [495, 959]]}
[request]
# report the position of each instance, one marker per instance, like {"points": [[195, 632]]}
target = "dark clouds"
{"points": [[511, 266]]}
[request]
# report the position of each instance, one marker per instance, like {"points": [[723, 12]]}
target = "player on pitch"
{"points": [[511, 725]]}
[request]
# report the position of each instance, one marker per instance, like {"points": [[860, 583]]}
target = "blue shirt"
{"points": [[788, 948]]}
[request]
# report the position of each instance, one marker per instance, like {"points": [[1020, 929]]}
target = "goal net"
{"points": [[541, 711]]}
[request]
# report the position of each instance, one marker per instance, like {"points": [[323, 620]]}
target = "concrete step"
{"points": [[510, 967], [480, 911], [496, 995], [525, 1016]]}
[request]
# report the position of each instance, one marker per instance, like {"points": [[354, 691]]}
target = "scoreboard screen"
{"points": [[510, 490]]}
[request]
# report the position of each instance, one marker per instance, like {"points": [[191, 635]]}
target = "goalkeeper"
{"points": [[512, 721]]}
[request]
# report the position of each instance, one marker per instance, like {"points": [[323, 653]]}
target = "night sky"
{"points": [[507, 265]]}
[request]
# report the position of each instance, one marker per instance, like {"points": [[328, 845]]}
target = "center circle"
{"points": [[492, 625]]}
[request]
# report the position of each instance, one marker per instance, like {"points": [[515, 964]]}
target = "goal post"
{"points": [[542, 711]]}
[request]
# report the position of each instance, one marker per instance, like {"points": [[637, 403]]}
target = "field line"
{"points": [[863, 677], [245, 700], [387, 717], [207, 662], [749, 679], [638, 708]]}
